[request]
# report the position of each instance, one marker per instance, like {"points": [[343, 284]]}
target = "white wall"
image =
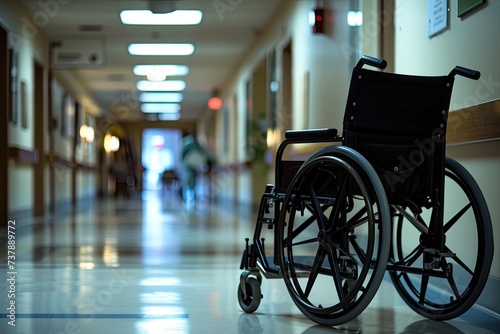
{"points": [[470, 42]]}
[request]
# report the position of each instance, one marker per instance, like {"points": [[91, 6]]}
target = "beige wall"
{"points": [[469, 42]]}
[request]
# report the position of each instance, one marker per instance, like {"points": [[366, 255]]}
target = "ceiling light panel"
{"points": [[167, 70], [167, 86], [161, 49], [159, 108], [161, 97], [169, 117], [146, 17]]}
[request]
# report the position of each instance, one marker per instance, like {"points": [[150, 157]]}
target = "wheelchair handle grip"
{"points": [[372, 61], [466, 72]]}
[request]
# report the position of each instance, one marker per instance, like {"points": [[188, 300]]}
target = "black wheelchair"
{"points": [[383, 197]]}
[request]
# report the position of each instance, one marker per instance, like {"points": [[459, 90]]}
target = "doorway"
{"points": [[286, 105], [161, 151], [38, 141], [3, 127]]}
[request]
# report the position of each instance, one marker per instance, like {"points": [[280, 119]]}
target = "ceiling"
{"points": [[227, 30]]}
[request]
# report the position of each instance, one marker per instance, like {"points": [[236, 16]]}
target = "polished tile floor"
{"points": [[146, 265]]}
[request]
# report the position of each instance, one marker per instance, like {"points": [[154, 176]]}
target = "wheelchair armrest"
{"points": [[312, 134]]}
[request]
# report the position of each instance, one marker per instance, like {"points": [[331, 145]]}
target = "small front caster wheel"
{"points": [[250, 300]]}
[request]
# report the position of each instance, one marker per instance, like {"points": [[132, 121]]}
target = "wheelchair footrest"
{"points": [[271, 271]]}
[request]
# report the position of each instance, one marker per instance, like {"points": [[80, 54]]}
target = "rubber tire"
{"points": [[252, 301]]}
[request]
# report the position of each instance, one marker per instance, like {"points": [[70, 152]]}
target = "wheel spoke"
{"points": [[303, 226], [412, 257], [359, 251], [460, 262], [337, 280], [354, 221], [403, 278], [335, 214], [423, 289], [456, 217], [350, 256], [304, 242], [318, 261], [317, 211]]}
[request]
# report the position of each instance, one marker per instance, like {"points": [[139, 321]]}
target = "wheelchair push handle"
{"points": [[372, 61], [466, 72]]}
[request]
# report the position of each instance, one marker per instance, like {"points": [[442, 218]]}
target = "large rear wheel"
{"points": [[442, 284], [335, 236]]}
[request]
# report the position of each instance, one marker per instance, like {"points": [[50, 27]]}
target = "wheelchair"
{"points": [[380, 197]]}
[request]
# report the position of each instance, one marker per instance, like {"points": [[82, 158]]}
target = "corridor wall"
{"points": [[467, 41], [464, 43], [320, 72], [397, 31], [30, 45]]}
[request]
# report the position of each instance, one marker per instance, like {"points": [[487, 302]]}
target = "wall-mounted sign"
{"points": [[437, 16], [466, 6]]}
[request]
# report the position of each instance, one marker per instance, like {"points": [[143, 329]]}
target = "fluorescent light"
{"points": [[146, 17], [160, 97], [169, 117], [354, 18], [160, 72], [311, 17], [159, 108], [161, 49], [168, 69], [169, 85]]}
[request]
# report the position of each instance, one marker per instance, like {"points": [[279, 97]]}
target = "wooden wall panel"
{"points": [[472, 124]]}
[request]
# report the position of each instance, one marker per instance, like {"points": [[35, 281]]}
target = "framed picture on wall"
{"points": [[225, 143], [467, 6], [24, 105], [68, 111], [13, 85], [248, 113], [437, 17], [79, 121], [272, 84], [305, 99]]}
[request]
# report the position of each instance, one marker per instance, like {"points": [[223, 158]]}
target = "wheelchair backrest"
{"points": [[398, 122]]}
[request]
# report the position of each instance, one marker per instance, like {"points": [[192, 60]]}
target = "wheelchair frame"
{"points": [[347, 188]]}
